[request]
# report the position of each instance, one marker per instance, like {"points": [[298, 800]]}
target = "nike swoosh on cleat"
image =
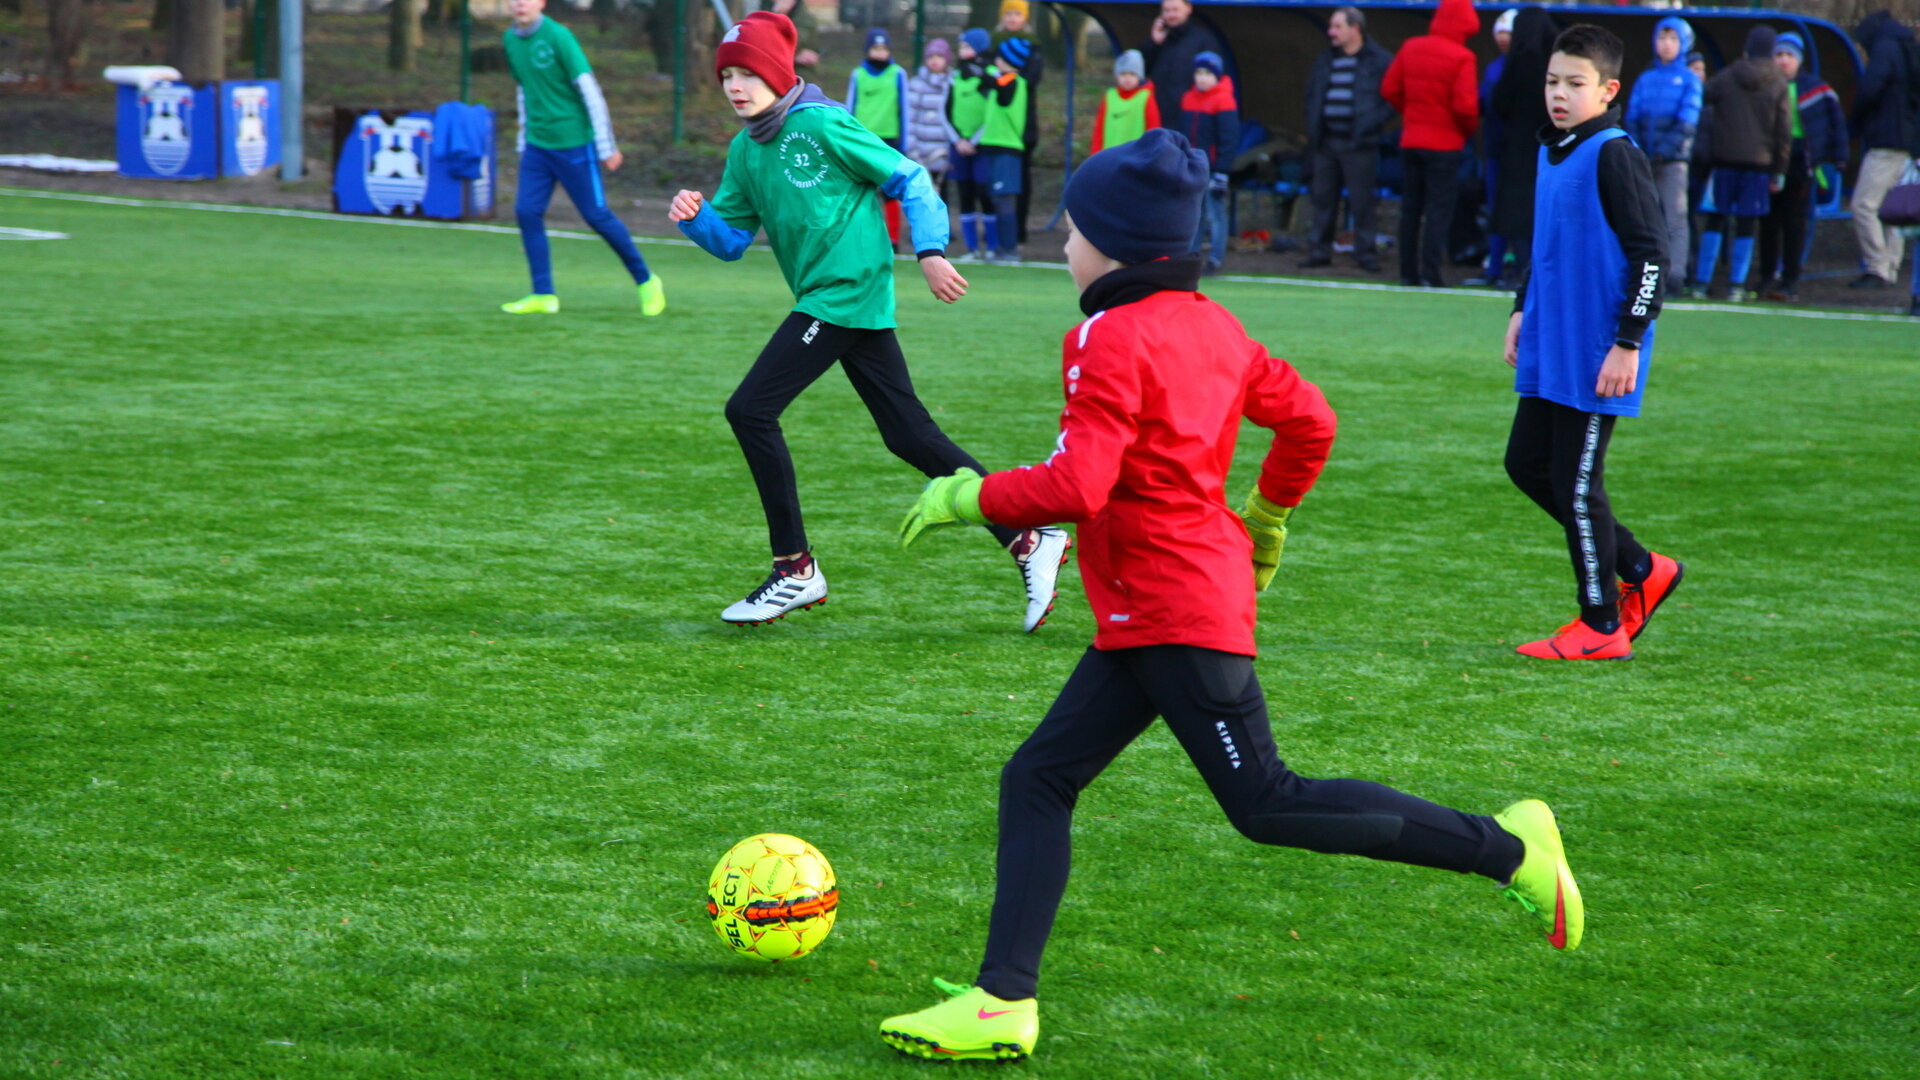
{"points": [[983, 1014], [1595, 649], [1558, 938]]}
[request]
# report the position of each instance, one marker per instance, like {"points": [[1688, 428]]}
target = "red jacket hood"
{"points": [[1456, 21], [1145, 87], [1218, 99]]}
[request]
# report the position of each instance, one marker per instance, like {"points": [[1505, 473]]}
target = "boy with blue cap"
{"points": [[966, 112], [1001, 141], [877, 97], [1819, 138], [1157, 379]]}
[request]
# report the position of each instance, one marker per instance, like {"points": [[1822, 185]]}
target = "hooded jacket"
{"points": [[1663, 112], [1370, 113], [1748, 122], [1433, 82], [1210, 119], [1170, 64], [929, 135], [1880, 113], [1822, 122]]}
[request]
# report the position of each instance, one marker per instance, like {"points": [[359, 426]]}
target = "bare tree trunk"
{"points": [[66, 39], [197, 40], [162, 15], [440, 11], [403, 34]]}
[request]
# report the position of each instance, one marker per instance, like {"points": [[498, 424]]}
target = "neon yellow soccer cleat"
{"points": [[653, 298], [970, 1024], [1544, 883], [537, 304]]}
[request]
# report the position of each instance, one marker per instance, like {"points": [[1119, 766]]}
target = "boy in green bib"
{"points": [[1002, 140], [877, 97], [1129, 109], [811, 175]]}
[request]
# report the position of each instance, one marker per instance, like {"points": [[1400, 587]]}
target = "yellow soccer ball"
{"points": [[772, 898]]}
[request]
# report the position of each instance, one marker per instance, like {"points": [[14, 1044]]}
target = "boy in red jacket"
{"points": [[1157, 379], [1432, 84]]}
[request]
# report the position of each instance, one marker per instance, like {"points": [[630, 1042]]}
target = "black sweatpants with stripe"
{"points": [[1212, 702], [801, 351], [1557, 455]]}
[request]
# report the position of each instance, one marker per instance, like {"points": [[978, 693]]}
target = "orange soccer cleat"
{"points": [[1578, 641], [1639, 602]]}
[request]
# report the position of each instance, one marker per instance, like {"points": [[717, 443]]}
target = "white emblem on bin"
{"points": [[396, 156], [166, 126], [249, 105]]}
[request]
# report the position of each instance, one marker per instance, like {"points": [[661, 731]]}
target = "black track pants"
{"points": [[798, 354], [1213, 704], [1557, 455]]}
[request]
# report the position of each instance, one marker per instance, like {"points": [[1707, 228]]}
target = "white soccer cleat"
{"points": [[777, 597], [1040, 569]]}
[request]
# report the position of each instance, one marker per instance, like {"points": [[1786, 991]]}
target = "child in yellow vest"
{"points": [[1129, 109], [877, 97]]}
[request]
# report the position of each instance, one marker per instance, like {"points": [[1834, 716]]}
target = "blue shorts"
{"points": [[1001, 170], [1740, 192], [968, 168]]}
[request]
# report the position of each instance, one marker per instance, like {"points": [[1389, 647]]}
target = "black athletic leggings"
{"points": [[798, 354], [1557, 456], [1212, 702]]}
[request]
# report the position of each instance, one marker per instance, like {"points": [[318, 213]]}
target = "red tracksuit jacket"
{"points": [[1155, 391]]}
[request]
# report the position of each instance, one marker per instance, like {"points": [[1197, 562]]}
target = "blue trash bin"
{"points": [[168, 131]]}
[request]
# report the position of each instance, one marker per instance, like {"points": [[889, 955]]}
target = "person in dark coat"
{"points": [[1520, 100], [1819, 138], [1749, 134], [1177, 38], [1891, 136], [1345, 118]]}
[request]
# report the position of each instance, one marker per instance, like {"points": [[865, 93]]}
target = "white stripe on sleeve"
{"points": [[520, 133], [603, 144]]}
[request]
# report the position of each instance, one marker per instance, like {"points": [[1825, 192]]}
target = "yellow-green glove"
{"points": [[946, 500], [1266, 523]]}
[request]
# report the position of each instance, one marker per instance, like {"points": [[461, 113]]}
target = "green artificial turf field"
{"points": [[366, 711]]}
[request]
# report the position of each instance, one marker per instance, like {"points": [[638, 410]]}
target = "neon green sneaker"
{"points": [[653, 299], [1544, 883], [970, 1024], [537, 304]]}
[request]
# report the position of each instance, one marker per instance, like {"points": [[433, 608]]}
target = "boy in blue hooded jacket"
{"points": [[1663, 114]]}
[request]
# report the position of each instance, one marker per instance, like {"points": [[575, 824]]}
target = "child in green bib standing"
{"points": [[1129, 110], [811, 175], [877, 97]]}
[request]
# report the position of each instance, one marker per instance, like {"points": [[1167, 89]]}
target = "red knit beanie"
{"points": [[764, 44]]}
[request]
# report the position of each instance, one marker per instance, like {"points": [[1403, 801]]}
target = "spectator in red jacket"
{"points": [[1434, 85]]}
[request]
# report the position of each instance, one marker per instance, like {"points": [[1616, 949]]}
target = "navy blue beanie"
{"points": [[977, 40], [1211, 61], [1760, 41], [1015, 51], [1140, 201], [878, 36]]}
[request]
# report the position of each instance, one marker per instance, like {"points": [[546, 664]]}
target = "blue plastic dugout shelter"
{"points": [[1270, 45]]}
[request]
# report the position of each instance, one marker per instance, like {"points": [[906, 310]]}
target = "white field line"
{"points": [[680, 241], [31, 234]]}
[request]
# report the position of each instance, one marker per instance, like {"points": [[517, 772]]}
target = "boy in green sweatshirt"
{"points": [[809, 174]]}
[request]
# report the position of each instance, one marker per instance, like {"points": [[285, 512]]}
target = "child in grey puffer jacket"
{"points": [[930, 137]]}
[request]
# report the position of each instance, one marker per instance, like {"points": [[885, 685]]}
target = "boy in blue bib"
{"points": [[1580, 340]]}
